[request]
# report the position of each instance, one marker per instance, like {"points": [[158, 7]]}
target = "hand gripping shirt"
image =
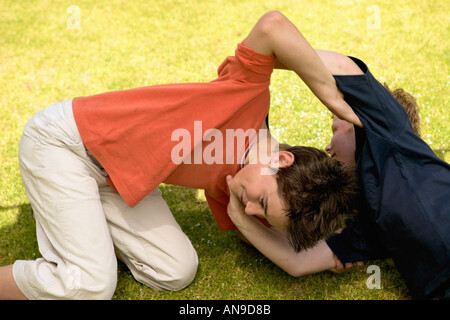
{"points": [[133, 133], [405, 204]]}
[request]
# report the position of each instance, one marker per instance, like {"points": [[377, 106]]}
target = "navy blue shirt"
{"points": [[405, 191]]}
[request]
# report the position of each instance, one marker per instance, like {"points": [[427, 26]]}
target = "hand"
{"points": [[340, 267], [235, 207], [343, 111]]}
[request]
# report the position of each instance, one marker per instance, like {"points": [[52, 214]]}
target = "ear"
{"points": [[282, 159]]}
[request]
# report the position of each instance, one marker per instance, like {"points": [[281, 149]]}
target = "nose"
{"points": [[252, 209], [328, 148]]}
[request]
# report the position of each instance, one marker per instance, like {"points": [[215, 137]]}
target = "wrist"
{"points": [[333, 99]]}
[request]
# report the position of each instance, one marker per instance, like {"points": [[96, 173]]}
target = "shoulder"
{"points": [[339, 64]]}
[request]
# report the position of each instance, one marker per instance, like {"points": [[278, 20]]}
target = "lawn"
{"points": [[52, 51]]}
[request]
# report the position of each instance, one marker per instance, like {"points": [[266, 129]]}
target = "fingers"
{"points": [[344, 112], [233, 197], [350, 116], [229, 180], [355, 120], [340, 267]]}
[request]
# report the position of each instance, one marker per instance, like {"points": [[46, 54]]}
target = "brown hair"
{"points": [[409, 104], [316, 190]]}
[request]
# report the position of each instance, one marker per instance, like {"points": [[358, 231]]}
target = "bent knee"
{"points": [[176, 273], [100, 285], [103, 289], [183, 275]]}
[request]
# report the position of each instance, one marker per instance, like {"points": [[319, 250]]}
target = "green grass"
{"points": [[122, 44]]}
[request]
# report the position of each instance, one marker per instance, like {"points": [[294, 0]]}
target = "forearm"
{"points": [[270, 243], [275, 246]]}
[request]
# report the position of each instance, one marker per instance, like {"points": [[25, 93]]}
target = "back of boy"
{"points": [[405, 190]]}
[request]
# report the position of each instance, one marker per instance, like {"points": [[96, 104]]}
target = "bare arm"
{"points": [[275, 246], [338, 64], [275, 34]]}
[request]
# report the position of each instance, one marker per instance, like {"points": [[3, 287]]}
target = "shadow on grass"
{"points": [[18, 239]]}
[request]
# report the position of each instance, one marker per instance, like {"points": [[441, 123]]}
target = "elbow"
{"points": [[266, 32], [296, 273], [270, 22], [293, 269]]}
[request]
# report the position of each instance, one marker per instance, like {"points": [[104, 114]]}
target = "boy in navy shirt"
{"points": [[405, 187], [404, 211]]}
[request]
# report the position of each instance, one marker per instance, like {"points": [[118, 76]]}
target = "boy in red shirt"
{"points": [[91, 167]]}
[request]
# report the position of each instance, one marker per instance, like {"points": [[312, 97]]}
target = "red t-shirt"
{"points": [[130, 131]]}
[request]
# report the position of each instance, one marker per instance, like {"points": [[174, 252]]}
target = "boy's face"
{"points": [[259, 194], [342, 145]]}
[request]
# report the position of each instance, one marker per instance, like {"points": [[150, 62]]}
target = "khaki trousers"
{"points": [[80, 218]]}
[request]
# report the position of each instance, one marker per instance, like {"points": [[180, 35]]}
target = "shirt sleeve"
{"points": [[355, 244], [247, 65], [377, 109]]}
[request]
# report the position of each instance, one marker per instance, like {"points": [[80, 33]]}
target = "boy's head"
{"points": [[317, 191], [409, 104], [305, 197], [342, 144]]}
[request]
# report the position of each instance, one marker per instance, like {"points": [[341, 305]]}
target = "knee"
{"points": [[104, 287], [91, 285], [182, 274], [176, 273]]}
